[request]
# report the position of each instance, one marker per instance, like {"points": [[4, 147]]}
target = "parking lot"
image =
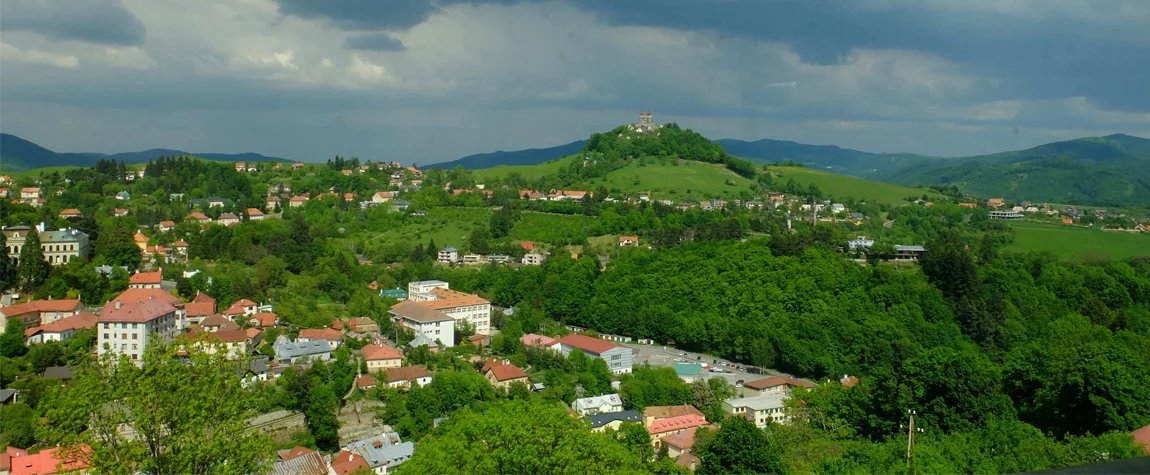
{"points": [[666, 356]]}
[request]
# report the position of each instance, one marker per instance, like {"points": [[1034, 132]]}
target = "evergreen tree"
{"points": [[432, 251], [12, 340], [6, 270], [33, 270]]}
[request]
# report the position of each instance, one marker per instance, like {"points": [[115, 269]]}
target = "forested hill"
{"points": [[531, 156], [19, 154], [1105, 171], [826, 157]]}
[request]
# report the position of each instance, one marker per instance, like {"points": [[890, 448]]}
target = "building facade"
{"points": [[619, 358], [59, 247], [128, 326]]}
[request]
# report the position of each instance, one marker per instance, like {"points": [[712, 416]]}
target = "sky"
{"points": [[432, 80]]}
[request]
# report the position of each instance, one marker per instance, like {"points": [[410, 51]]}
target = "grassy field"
{"points": [[668, 181], [37, 171], [1076, 241], [547, 227], [530, 172], [447, 226], [843, 186]]}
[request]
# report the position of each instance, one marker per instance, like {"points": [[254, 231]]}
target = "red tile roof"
{"points": [[320, 333], [219, 322], [528, 245], [406, 373], [683, 440], [133, 295], [664, 412], [586, 343], [74, 322], [676, 423], [140, 237], [37, 306], [381, 352], [539, 341], [46, 461], [346, 462], [136, 311], [202, 297], [294, 452], [365, 381], [505, 372], [200, 309], [266, 319], [146, 277], [254, 212], [1142, 436]]}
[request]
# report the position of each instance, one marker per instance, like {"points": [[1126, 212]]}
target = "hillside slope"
{"points": [[531, 156], [826, 157], [19, 154], [1103, 171]]}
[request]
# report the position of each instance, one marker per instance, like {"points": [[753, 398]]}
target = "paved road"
{"points": [[666, 356]]}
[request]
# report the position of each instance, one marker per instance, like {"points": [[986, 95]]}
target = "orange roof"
{"points": [[146, 277], [137, 311], [663, 412], [204, 298], [346, 462], [365, 381], [503, 371], [451, 299], [293, 453], [266, 319], [381, 352], [70, 212], [629, 238], [166, 224], [406, 373], [196, 215], [74, 322], [586, 343], [220, 322], [140, 237], [238, 307], [180, 243], [1142, 436], [200, 309], [255, 212], [677, 423], [528, 245], [46, 461], [252, 333], [683, 440], [320, 333], [132, 295], [37, 306]]}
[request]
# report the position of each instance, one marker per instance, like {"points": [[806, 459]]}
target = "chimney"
{"points": [[117, 305]]}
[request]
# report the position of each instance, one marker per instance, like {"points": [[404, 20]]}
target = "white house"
{"points": [[126, 326], [435, 325], [463, 307], [618, 358], [533, 259], [762, 410], [448, 255], [421, 289], [590, 406]]}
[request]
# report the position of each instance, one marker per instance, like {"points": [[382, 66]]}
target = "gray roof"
{"points": [[290, 350], [6, 394], [63, 235], [58, 372], [308, 464], [412, 311], [597, 401], [383, 450], [450, 249], [258, 365], [758, 403], [910, 248], [600, 420], [107, 269], [422, 340], [401, 203]]}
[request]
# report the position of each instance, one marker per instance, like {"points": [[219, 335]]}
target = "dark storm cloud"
{"points": [[373, 42], [94, 21], [362, 15]]}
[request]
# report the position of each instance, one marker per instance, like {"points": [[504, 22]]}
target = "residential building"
{"points": [[54, 460], [590, 406], [403, 377], [618, 358], [680, 443], [628, 241], [421, 290], [912, 253], [200, 308], [995, 202], [64, 328], [123, 196], [254, 214], [382, 452], [128, 326], [71, 213], [333, 337], [40, 312], [761, 410], [347, 463], [309, 462], [242, 307], [145, 280], [234, 344], [654, 414], [228, 219], [1005, 215], [435, 325], [59, 247], [288, 352], [141, 241], [778, 385], [861, 243], [501, 373], [532, 259], [29, 194], [382, 357], [381, 197], [448, 255], [612, 420], [673, 425], [540, 341], [463, 307], [363, 325], [263, 320], [297, 201], [217, 323], [198, 217]]}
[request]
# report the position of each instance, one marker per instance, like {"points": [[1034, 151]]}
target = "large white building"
{"points": [[463, 307], [127, 326], [761, 410], [420, 290], [435, 325], [448, 255], [618, 357], [59, 247]]}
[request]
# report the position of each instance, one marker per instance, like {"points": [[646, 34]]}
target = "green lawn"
{"points": [[546, 227], [841, 186], [1076, 241], [665, 180], [447, 226], [37, 171]]}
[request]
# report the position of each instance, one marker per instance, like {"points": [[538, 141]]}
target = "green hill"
{"points": [[841, 186], [825, 157], [1104, 171], [672, 179], [18, 154]]}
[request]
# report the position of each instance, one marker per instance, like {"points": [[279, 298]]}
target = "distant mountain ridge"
{"points": [[531, 156], [19, 154]]}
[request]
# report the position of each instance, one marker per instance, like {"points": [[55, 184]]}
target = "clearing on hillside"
{"points": [[1077, 241], [841, 186]]}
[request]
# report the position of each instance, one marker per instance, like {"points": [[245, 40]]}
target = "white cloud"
{"points": [[35, 56]]}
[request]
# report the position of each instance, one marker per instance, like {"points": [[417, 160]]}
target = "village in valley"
{"points": [[364, 305]]}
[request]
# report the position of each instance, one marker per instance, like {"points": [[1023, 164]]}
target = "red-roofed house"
{"points": [[674, 425], [40, 312], [618, 358], [382, 357], [346, 462], [263, 320], [216, 323], [71, 213], [52, 461], [333, 337], [680, 443], [255, 214], [366, 381], [382, 197], [141, 240], [628, 240], [528, 246], [126, 326], [501, 373], [1142, 436], [777, 385], [145, 280], [540, 341], [403, 377], [243, 307], [363, 325], [64, 328], [297, 201], [166, 226]]}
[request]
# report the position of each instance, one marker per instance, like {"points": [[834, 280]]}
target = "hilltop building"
{"points": [[645, 124]]}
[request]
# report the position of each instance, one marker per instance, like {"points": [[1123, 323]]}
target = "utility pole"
{"points": [[910, 431]]}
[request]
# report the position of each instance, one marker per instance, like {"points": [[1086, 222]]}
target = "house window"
{"points": [[124, 336], [134, 335], [105, 335]]}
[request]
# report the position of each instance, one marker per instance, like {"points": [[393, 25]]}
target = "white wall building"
{"points": [[433, 324], [127, 327], [448, 255], [419, 291], [763, 409]]}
